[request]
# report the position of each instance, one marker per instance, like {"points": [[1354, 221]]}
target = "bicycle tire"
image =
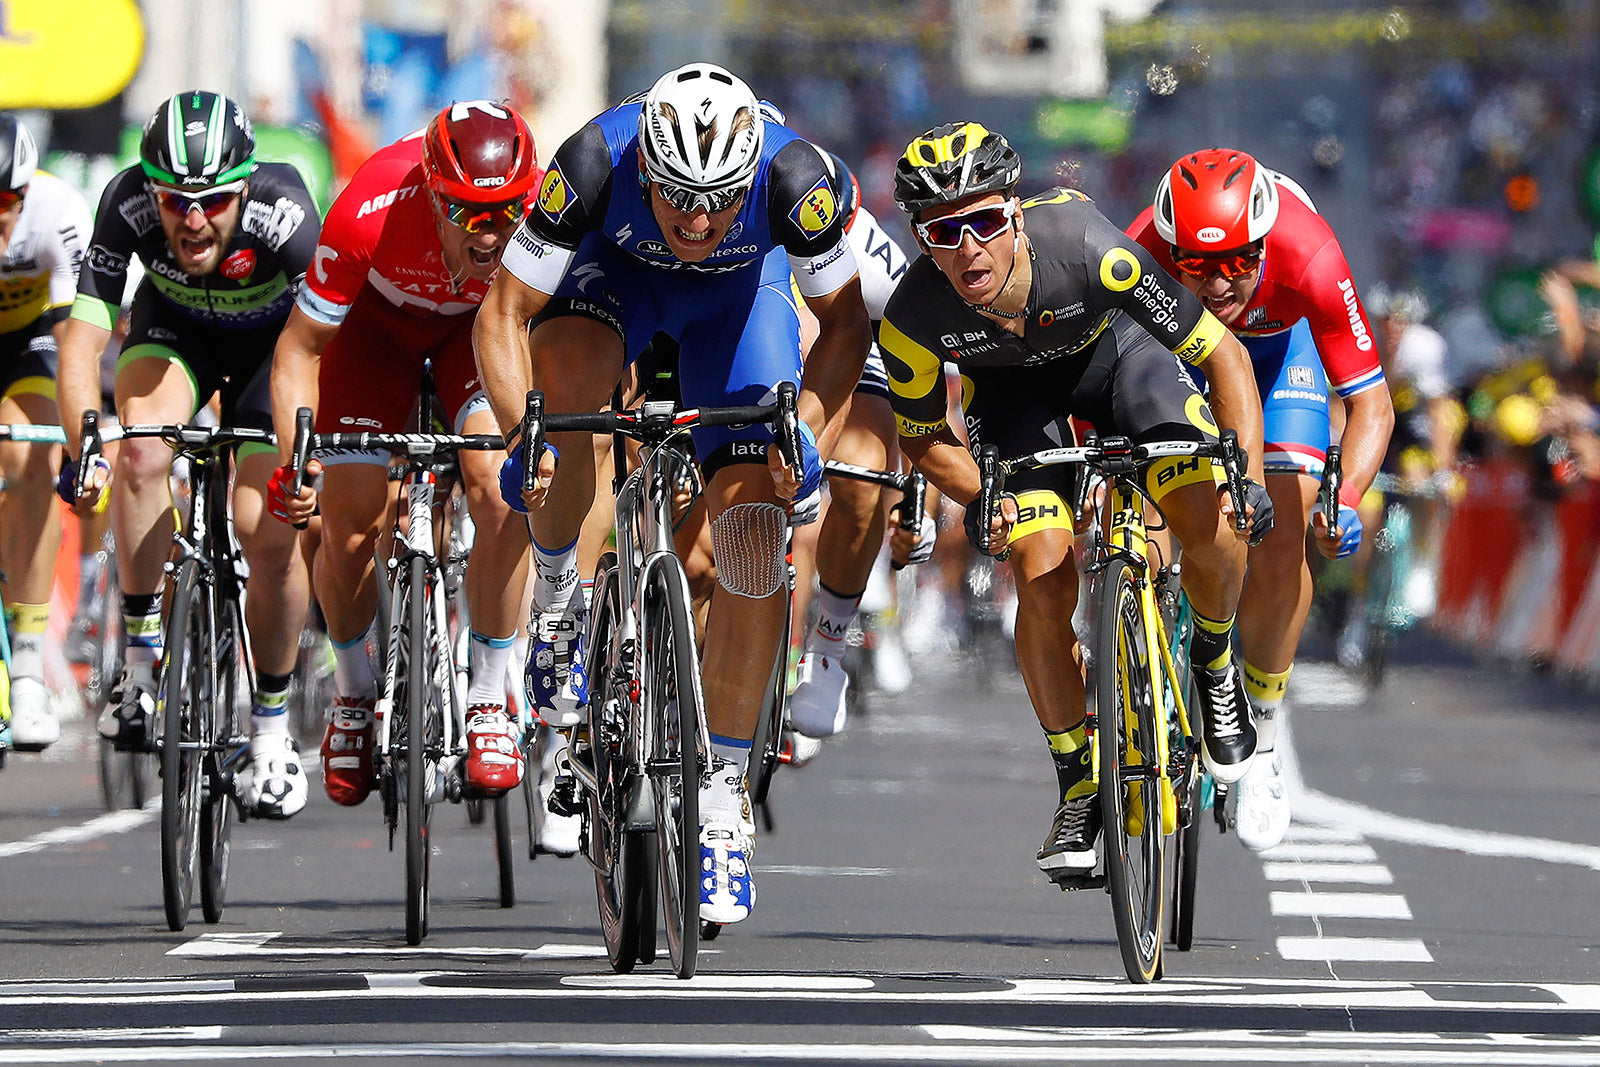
{"points": [[216, 813], [674, 709], [645, 901], [533, 748], [1186, 866], [1126, 733], [502, 851], [418, 845], [766, 747], [189, 637], [616, 853]]}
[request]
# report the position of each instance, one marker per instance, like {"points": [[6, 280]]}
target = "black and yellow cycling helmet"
{"points": [[953, 161]]}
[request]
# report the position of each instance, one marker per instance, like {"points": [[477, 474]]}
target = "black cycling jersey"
{"points": [[1086, 274], [255, 282]]}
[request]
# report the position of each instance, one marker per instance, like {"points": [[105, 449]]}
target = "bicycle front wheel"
{"points": [[1130, 792], [674, 710], [184, 702], [418, 677], [225, 660]]}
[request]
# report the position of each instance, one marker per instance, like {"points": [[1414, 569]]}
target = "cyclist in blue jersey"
{"points": [[684, 211]]}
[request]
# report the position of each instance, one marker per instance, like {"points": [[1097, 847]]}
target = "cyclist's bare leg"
{"points": [[1277, 589], [345, 576], [150, 390], [852, 531], [497, 569], [280, 587], [576, 362], [597, 525], [30, 522], [1213, 555], [739, 630], [1044, 565]]}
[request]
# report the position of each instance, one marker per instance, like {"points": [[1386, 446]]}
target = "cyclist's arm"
{"points": [[1369, 420], [833, 366], [1235, 400], [946, 463], [295, 364], [500, 346], [78, 375]]}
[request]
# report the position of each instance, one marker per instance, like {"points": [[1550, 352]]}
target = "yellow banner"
{"points": [[67, 53]]}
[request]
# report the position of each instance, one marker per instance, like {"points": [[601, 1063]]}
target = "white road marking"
{"points": [[111, 823], [224, 944], [260, 944], [115, 1033], [1358, 949], [1322, 852], [1300, 832], [810, 871], [1341, 905], [1364, 873], [837, 983]]}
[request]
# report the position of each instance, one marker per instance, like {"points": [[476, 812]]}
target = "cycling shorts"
{"points": [[1131, 386], [235, 363], [874, 376], [372, 371], [738, 331], [1294, 400], [28, 361]]}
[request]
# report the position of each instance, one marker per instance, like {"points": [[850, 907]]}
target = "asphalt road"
{"points": [[1435, 903]]}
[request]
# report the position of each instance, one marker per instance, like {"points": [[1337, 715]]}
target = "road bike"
{"points": [[420, 710], [207, 667], [1144, 751], [644, 752]]}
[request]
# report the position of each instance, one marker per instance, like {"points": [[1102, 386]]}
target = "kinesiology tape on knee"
{"points": [[748, 544]]}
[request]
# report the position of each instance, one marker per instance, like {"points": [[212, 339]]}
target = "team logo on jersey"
{"points": [[1301, 378], [553, 194], [239, 266], [817, 209]]}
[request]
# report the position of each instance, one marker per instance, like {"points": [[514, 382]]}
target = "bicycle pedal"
{"points": [[564, 797], [1069, 881]]}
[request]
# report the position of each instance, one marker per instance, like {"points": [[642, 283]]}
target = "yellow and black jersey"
{"points": [[1086, 273]]}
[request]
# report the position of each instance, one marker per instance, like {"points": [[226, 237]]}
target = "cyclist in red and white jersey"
{"points": [[1250, 244], [407, 253]]}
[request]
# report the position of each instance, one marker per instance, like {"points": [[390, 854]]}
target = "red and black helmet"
{"points": [[1215, 199], [478, 152]]}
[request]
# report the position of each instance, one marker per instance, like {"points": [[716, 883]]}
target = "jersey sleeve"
{"points": [[916, 372], [340, 258], [293, 226], [105, 265], [572, 201], [1339, 323], [804, 217], [68, 246], [1127, 277], [880, 261]]}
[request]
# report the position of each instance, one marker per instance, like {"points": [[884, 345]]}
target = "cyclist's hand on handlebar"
{"points": [[511, 476], [1000, 523], [907, 548], [802, 488], [1258, 509], [1340, 542], [287, 508], [96, 494]]}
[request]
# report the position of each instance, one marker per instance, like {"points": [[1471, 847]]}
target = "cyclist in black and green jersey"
{"points": [[225, 242], [1050, 311]]}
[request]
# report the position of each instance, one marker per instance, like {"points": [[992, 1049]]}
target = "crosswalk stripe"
{"points": [[1355, 949], [1322, 851], [1365, 873], [1341, 905]]}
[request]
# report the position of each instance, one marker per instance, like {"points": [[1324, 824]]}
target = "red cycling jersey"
{"points": [[1303, 276], [381, 232]]}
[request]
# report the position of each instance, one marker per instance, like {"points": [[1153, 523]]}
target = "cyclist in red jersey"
{"points": [[1250, 244], [407, 253]]}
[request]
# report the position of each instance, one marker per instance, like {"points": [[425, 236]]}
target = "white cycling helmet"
{"points": [[700, 131], [19, 156]]}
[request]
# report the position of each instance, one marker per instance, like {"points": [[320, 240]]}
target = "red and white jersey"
{"points": [[381, 232], [1303, 276]]}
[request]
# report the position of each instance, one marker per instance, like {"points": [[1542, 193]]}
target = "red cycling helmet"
{"points": [[477, 152], [1216, 199]]}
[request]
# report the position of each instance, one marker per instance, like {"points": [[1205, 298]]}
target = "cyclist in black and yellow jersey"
{"points": [[1048, 310]]}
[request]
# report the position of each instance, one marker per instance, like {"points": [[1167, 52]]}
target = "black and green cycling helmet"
{"points": [[951, 162], [197, 139]]}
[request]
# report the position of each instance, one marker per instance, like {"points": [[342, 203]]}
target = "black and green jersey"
{"points": [[1086, 273], [255, 282]]}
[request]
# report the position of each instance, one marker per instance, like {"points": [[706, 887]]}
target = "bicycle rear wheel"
{"points": [[502, 851], [674, 710], [417, 730], [1130, 801], [183, 704], [533, 748], [225, 661], [618, 854]]}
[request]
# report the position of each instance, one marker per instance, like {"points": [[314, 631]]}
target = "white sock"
{"points": [[353, 674], [555, 576], [725, 795], [834, 613], [487, 662]]}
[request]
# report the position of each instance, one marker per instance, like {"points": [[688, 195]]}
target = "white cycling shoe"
{"points": [[275, 781], [817, 706], [33, 716], [1262, 812]]}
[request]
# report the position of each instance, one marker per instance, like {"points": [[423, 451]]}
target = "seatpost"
{"points": [[89, 446], [300, 456]]}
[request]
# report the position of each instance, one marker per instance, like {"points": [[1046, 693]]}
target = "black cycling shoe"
{"points": [[1229, 735], [1069, 848]]}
